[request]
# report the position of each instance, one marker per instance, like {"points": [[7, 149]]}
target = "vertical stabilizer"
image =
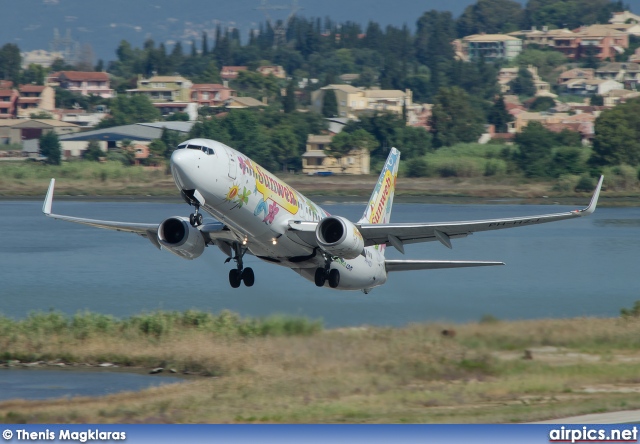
{"points": [[379, 208]]}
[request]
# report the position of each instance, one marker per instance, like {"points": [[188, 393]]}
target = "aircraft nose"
{"points": [[180, 162]]}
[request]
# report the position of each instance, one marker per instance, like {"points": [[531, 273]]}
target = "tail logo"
{"points": [[378, 207]]}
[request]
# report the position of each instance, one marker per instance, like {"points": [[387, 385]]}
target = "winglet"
{"points": [[594, 199], [48, 200]]}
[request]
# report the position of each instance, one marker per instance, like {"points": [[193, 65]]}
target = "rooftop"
{"points": [[490, 38], [79, 76]]}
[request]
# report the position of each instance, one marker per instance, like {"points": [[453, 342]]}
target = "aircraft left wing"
{"points": [[400, 234], [211, 232], [138, 228]]}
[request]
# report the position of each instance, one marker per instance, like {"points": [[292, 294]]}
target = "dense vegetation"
{"points": [[465, 95]]}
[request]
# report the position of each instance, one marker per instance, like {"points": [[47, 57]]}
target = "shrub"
{"points": [[417, 168]]}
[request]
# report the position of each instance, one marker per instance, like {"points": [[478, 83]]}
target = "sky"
{"points": [[31, 24]]}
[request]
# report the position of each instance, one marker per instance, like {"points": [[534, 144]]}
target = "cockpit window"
{"points": [[204, 149]]}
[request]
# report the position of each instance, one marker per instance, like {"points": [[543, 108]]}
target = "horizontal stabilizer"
{"points": [[409, 265]]}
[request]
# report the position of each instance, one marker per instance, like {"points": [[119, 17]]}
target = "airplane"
{"points": [[258, 214]]}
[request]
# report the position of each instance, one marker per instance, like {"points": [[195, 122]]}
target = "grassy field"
{"points": [[111, 179], [287, 370]]}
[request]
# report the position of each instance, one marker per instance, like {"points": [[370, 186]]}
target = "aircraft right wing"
{"points": [[408, 233], [411, 265]]}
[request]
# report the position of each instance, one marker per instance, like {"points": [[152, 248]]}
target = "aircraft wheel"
{"points": [[199, 219], [320, 277], [192, 219], [334, 278], [235, 278], [248, 277]]}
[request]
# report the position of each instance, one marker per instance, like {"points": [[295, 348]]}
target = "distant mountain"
{"points": [[30, 23]]}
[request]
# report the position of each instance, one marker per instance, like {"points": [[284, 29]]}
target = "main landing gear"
{"points": [[195, 218], [240, 274], [324, 274]]}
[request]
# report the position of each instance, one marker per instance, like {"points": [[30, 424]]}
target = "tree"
{"points": [[490, 17], [289, 99], [590, 57], [41, 115], [617, 138], [284, 146], [542, 104], [523, 84], [178, 117], [569, 13], [343, 143], [50, 148], [454, 119], [93, 151], [10, 61], [499, 116], [157, 149], [535, 143], [596, 100], [545, 59], [34, 74], [330, 104], [128, 110]]}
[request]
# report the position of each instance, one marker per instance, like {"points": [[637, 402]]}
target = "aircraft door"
{"points": [[233, 164]]}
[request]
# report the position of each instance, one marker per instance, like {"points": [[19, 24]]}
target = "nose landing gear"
{"points": [[195, 218]]}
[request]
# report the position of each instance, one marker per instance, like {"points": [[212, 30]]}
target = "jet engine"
{"points": [[339, 237], [178, 236]]}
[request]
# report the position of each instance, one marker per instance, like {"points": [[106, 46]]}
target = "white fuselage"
{"points": [[257, 207]]}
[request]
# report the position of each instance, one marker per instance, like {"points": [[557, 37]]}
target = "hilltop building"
{"points": [[169, 94], [491, 47], [353, 101], [83, 83]]}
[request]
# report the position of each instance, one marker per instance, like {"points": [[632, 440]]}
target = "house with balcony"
{"points": [[231, 72], [353, 101], [592, 86], [491, 47], [169, 94], [608, 42], [624, 17], [243, 102], [317, 158], [35, 99], [542, 37], [617, 96], [274, 70], [8, 103], [211, 94], [627, 73], [576, 74], [83, 83]]}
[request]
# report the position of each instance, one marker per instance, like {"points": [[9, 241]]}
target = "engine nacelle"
{"points": [[178, 236], [339, 237]]}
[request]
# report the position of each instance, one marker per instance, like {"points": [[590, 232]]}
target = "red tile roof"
{"points": [[79, 76], [31, 88]]}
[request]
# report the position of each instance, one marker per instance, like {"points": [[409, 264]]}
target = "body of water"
{"points": [[582, 267], [45, 384]]}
